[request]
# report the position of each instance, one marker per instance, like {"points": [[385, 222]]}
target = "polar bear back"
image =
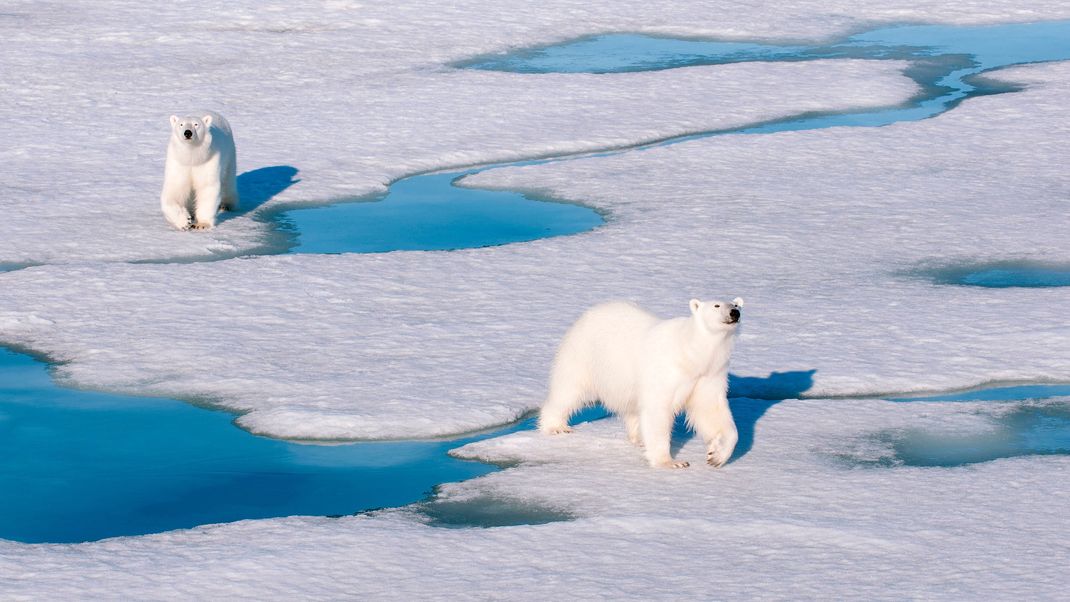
{"points": [[600, 354]]}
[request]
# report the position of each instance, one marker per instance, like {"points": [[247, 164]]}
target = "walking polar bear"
{"points": [[201, 167], [647, 370]]}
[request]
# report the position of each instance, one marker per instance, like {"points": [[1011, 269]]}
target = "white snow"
{"points": [[817, 230]]}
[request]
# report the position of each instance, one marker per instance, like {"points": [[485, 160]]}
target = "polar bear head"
{"points": [[191, 130], [717, 316]]}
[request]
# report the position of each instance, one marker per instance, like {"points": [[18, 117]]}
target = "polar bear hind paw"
{"points": [[557, 430], [201, 226]]}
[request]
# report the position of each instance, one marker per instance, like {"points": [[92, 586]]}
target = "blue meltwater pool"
{"points": [[79, 465]]}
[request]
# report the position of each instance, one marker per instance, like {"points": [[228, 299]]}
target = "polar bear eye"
{"points": [[196, 125], [718, 305]]}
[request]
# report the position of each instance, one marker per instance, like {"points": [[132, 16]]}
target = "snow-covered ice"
{"points": [[377, 346], [349, 99], [821, 231], [418, 344], [832, 244]]}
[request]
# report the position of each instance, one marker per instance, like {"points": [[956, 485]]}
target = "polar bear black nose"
{"points": [[734, 313], [188, 134]]}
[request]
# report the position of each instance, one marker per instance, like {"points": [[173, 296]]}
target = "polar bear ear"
{"points": [[695, 304], [207, 119], [174, 120], [738, 301]]}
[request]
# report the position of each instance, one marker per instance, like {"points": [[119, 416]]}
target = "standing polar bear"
{"points": [[647, 370], [201, 166]]}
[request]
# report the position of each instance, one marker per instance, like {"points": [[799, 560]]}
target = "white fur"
{"points": [[201, 169], [647, 370]]}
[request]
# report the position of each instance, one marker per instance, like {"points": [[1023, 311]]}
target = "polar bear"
{"points": [[201, 166], [647, 370]]}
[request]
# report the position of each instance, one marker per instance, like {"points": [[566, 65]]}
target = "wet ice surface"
{"points": [[997, 393], [1024, 430], [944, 58], [1027, 422], [627, 52], [1002, 274], [488, 512], [987, 46]]}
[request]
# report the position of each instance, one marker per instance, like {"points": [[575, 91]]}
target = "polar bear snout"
{"points": [[733, 316], [188, 134]]}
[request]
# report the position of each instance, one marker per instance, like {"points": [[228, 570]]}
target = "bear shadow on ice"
{"points": [[259, 186], [749, 398]]}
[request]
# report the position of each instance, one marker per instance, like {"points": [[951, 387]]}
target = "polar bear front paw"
{"points": [[716, 458], [201, 226], [674, 464]]}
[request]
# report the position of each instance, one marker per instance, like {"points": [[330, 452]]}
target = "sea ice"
{"points": [[389, 345], [815, 229]]}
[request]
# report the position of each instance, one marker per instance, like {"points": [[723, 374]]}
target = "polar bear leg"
{"points": [[175, 197], [565, 399], [175, 213], [230, 201], [174, 208], [230, 192], [709, 414], [655, 424], [631, 424], [208, 200]]}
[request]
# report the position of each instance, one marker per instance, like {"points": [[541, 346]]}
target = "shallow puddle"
{"points": [[486, 512], [1029, 423], [1026, 430], [1003, 274]]}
